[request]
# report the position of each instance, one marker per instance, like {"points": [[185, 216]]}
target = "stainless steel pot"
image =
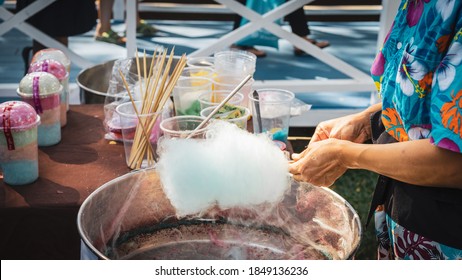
{"points": [[130, 217], [94, 81]]}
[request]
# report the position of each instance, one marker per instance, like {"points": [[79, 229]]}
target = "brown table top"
{"points": [[72, 169], [39, 220]]}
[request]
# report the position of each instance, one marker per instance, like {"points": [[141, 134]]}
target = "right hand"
{"points": [[354, 128]]}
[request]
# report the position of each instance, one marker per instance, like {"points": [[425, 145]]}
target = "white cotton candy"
{"points": [[230, 168]]}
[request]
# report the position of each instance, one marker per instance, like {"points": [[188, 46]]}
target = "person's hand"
{"points": [[320, 164], [354, 128]]}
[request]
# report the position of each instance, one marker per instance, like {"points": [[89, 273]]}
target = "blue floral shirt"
{"points": [[418, 73]]}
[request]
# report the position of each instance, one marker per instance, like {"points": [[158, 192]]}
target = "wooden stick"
{"points": [[136, 111], [155, 94]]}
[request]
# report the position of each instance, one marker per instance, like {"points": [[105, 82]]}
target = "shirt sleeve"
{"points": [[446, 100]]}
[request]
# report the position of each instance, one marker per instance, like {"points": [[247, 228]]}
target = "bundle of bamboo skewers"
{"points": [[155, 86]]}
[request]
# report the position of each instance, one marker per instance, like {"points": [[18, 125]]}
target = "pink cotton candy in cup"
{"points": [[50, 66], [17, 115]]}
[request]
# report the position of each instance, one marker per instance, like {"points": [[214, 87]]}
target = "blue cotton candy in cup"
{"points": [[230, 168]]}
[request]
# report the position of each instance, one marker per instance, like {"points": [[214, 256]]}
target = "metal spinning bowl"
{"points": [[130, 217], [94, 81]]}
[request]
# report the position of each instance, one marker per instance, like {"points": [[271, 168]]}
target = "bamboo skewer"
{"points": [[155, 92]]}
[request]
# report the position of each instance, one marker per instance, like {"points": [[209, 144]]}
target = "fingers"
{"points": [[319, 134]]}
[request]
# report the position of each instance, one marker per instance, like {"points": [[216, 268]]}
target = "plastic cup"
{"points": [[137, 153], [240, 121], [229, 82], [186, 95], [196, 71], [235, 63], [59, 71], [42, 90], [271, 112], [58, 55], [215, 97], [18, 143], [182, 126], [200, 61]]}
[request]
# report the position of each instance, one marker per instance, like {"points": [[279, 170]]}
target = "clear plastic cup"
{"points": [[186, 95], [240, 120], [139, 153], [271, 112], [18, 143], [235, 62], [59, 71], [42, 90], [229, 82], [182, 126], [215, 97], [204, 72], [201, 61]]}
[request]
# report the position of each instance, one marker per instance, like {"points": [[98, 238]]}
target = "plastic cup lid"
{"points": [[51, 66], [17, 115], [39, 84]]}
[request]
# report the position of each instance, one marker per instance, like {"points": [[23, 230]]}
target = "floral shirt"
{"points": [[418, 73]]}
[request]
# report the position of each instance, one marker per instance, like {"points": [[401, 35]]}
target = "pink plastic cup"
{"points": [[42, 90], [59, 71], [18, 142]]}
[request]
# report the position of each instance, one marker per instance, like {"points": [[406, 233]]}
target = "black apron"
{"points": [[433, 212]]}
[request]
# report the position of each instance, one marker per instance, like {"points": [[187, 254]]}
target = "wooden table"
{"points": [[38, 221]]}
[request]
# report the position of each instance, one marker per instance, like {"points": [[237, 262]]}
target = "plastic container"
{"points": [[240, 121], [18, 142], [59, 71], [271, 112], [57, 55], [42, 90], [133, 134]]}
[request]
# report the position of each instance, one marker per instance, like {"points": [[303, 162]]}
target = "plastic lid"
{"points": [[17, 115], [39, 83], [52, 53], [51, 66]]}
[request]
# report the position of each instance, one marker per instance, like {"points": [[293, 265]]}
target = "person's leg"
{"points": [[104, 31], [252, 49], [300, 27], [104, 16], [298, 23], [143, 29]]}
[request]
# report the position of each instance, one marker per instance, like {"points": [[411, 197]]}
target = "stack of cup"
{"points": [[198, 71], [201, 61], [59, 71], [59, 56], [42, 90], [18, 143], [231, 67]]}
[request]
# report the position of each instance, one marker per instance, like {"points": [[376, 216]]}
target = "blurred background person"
{"points": [[104, 30]]}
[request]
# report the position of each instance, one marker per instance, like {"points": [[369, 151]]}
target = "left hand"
{"points": [[320, 164]]}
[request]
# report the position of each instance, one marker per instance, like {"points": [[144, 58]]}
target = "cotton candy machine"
{"points": [[131, 218]]}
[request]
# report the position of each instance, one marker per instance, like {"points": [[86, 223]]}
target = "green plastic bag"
{"points": [[261, 37]]}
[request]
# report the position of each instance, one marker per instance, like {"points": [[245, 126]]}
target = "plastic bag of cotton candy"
{"points": [[229, 168]]}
